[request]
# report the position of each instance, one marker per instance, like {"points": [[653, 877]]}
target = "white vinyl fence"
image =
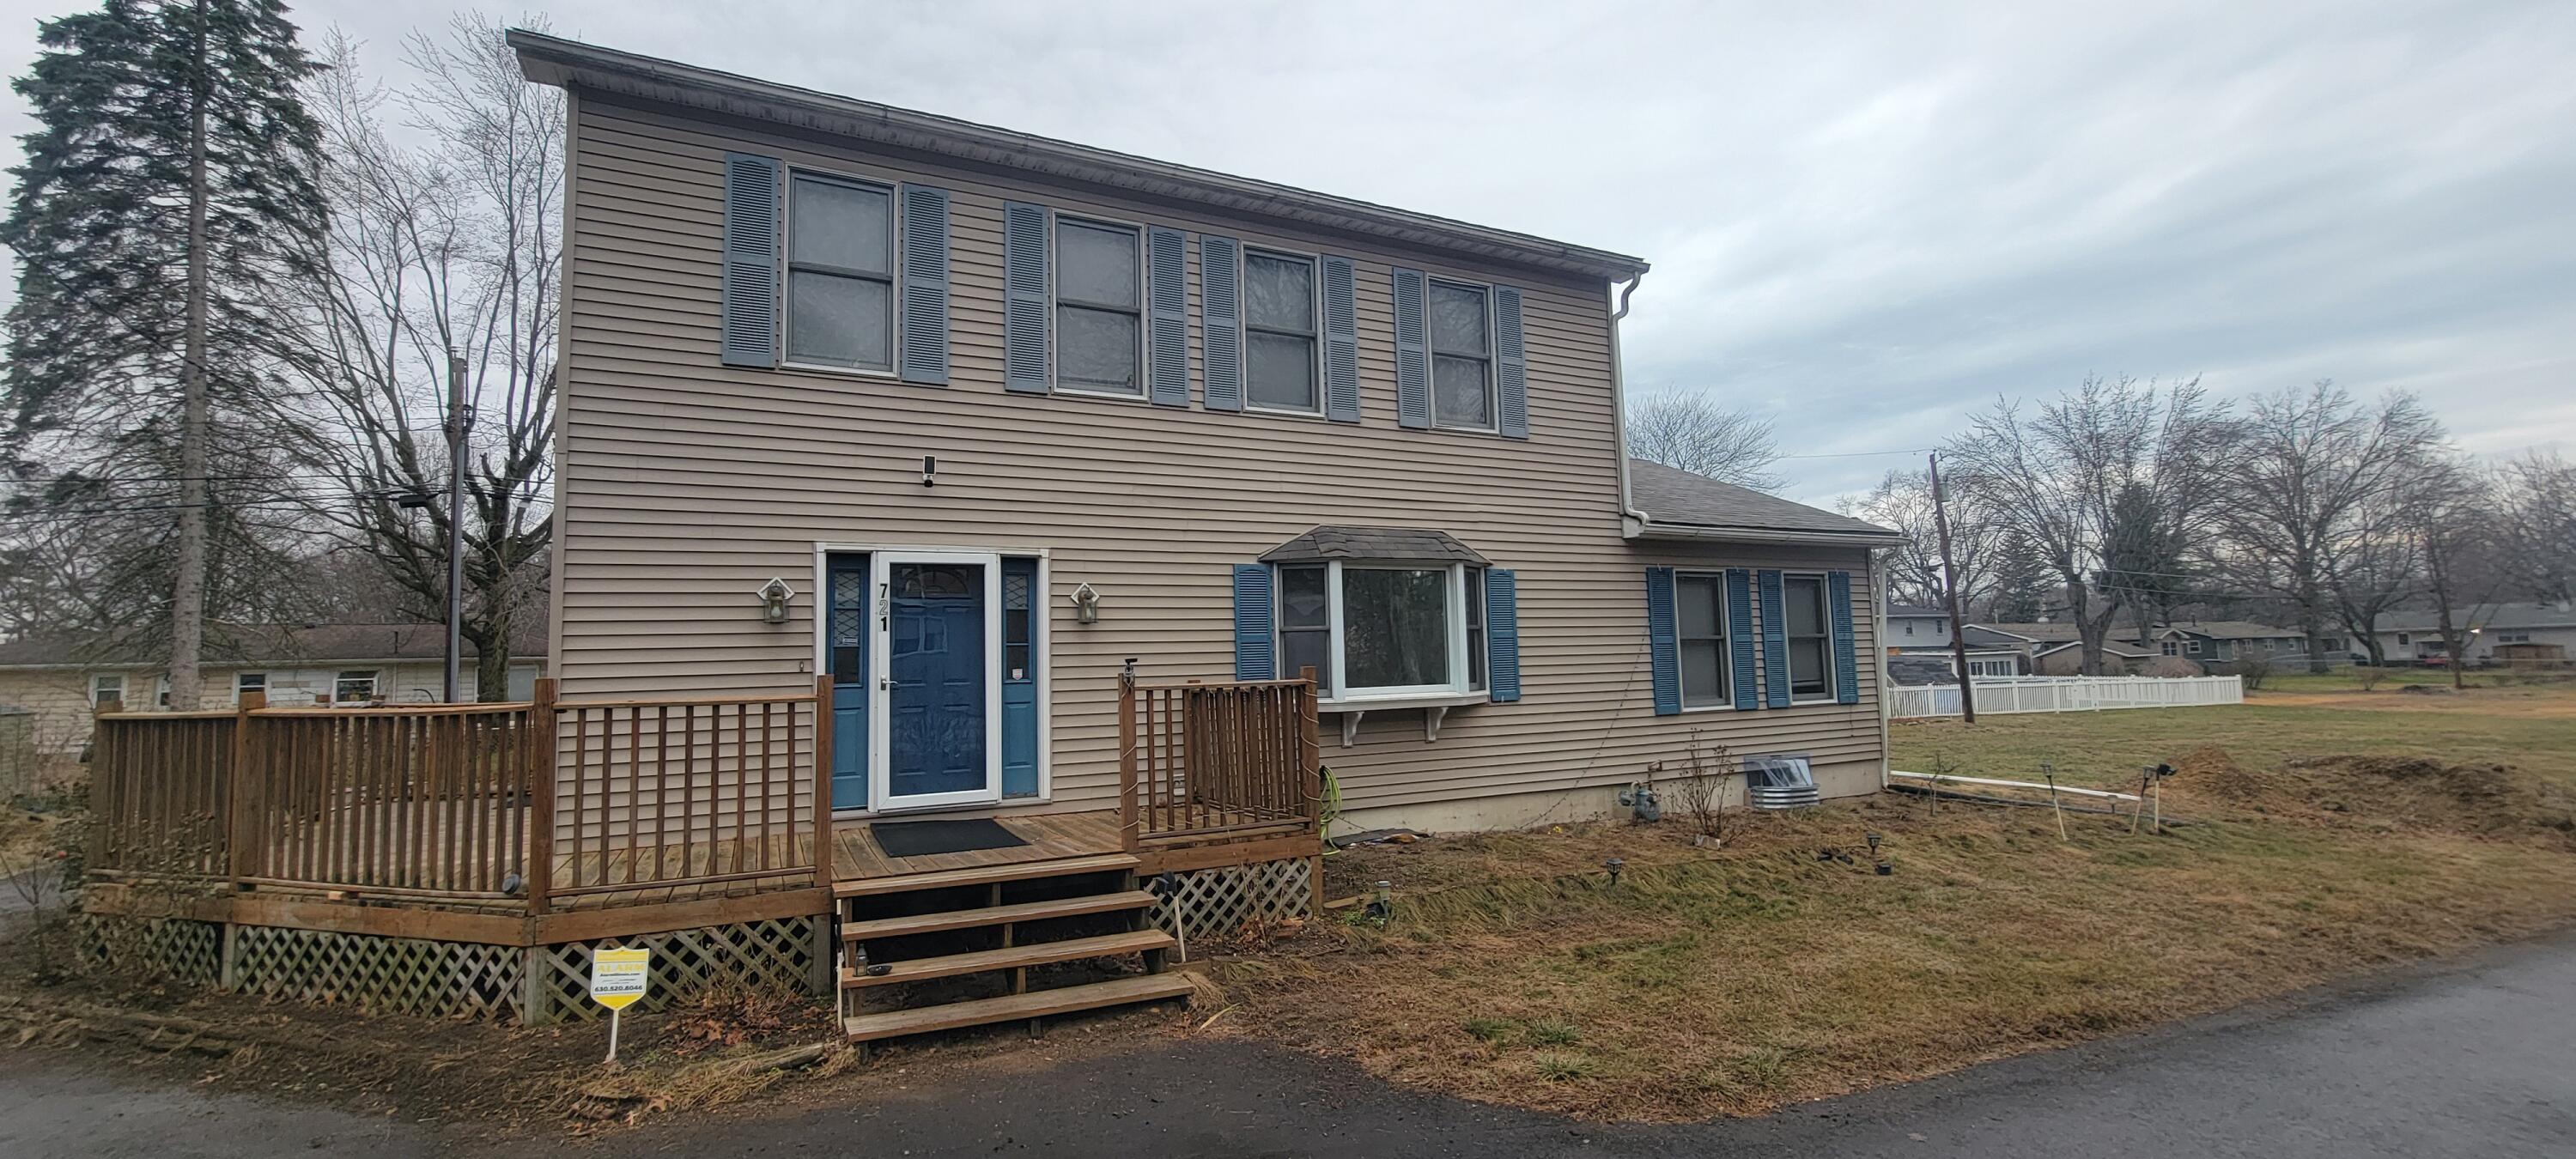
{"points": [[2006, 694]]}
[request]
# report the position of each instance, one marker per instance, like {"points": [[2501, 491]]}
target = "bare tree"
{"points": [[2538, 503], [2313, 463], [449, 249], [2061, 483], [1903, 501], [2380, 566], [2462, 541], [1690, 431]]}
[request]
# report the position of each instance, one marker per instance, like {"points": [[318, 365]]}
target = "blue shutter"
{"points": [[1254, 655], [1511, 373], [1663, 640], [1024, 297], [1502, 636], [1341, 343], [1775, 642], [925, 285], [1846, 666], [1412, 352], [750, 294], [1739, 637], [1167, 302], [1221, 320]]}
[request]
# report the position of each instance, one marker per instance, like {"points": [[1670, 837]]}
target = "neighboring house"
{"points": [[2231, 641], [2067, 659], [2519, 632], [63, 681], [2049, 648], [1004, 417], [1913, 628]]}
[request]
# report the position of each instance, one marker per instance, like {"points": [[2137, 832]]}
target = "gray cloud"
{"points": [[1866, 220]]}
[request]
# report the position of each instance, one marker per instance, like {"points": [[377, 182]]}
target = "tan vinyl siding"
{"points": [[684, 485]]}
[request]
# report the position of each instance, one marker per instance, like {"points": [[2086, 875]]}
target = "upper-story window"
{"points": [[1099, 308], [840, 273], [1462, 357], [1279, 322]]}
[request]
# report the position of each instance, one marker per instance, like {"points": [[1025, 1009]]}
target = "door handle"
{"points": [[886, 683]]}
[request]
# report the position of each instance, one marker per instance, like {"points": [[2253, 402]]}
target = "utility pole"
{"points": [[1950, 593], [456, 420]]}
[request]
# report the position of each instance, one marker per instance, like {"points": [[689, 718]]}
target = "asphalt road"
{"points": [[2473, 1057]]}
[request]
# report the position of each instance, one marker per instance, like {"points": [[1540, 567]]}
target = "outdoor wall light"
{"points": [[1086, 605], [773, 601]]}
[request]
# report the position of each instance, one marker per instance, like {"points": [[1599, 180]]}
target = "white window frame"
{"points": [[1431, 359], [375, 678], [1144, 391], [1726, 675], [2192, 645], [99, 681], [1462, 686], [161, 693], [787, 267], [1825, 616], [1315, 306], [240, 678]]}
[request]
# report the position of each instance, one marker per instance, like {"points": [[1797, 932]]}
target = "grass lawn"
{"points": [[1770, 970]]}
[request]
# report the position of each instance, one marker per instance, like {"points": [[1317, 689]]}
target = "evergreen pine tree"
{"points": [[169, 185]]}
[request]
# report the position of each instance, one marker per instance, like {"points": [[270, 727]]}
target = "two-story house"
{"points": [[980, 425]]}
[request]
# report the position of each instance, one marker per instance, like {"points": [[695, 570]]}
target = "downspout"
{"points": [[1619, 402]]}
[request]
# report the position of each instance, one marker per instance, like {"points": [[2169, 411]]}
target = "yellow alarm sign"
{"points": [[618, 977]]}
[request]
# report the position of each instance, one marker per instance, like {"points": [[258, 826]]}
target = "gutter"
{"points": [[1641, 526], [1629, 516]]}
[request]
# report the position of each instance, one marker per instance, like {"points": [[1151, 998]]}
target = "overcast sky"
{"points": [[1866, 221]]}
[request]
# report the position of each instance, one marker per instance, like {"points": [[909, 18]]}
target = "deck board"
{"points": [[1050, 837]]}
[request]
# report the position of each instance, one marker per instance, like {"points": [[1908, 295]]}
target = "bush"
{"points": [[2368, 676], [2253, 670]]}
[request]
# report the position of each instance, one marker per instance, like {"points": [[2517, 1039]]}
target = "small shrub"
{"points": [[2253, 670], [1560, 1068], [2368, 676], [1552, 1034]]}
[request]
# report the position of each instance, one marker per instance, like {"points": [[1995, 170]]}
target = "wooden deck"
{"points": [[1050, 837]]}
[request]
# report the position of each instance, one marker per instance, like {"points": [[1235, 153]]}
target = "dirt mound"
{"points": [[2473, 797], [2212, 771]]}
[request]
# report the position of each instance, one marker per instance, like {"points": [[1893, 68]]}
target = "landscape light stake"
{"points": [[2049, 771]]}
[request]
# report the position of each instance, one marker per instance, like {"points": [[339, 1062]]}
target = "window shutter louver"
{"points": [[1412, 351], [1341, 342], [1254, 656], [750, 294], [1739, 636], [1502, 636], [1221, 320], [1024, 297], [1663, 638], [1775, 642], [1846, 665], [925, 285], [1511, 368], [1167, 298]]}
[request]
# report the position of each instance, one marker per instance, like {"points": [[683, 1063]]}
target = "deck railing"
{"points": [[535, 799], [1217, 760]]}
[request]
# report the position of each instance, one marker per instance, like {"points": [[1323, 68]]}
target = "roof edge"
{"points": [[553, 60]]}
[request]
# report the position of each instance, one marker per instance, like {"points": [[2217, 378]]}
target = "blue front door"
{"points": [[936, 659]]}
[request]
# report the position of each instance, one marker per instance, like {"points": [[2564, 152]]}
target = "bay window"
{"points": [[1384, 630]]}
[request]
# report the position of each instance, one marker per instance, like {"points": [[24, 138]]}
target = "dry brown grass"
{"points": [[1733, 981]]}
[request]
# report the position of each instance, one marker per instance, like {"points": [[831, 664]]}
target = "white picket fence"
{"points": [[2006, 694]]}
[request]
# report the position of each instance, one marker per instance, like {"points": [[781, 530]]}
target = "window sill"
{"points": [[1063, 391], [1282, 412], [1402, 700], [841, 371]]}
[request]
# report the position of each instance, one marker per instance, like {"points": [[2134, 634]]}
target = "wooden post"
{"points": [[102, 803], [241, 793], [539, 768], [823, 779], [1127, 763], [1310, 758]]}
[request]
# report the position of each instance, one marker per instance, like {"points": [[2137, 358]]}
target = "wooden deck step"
{"points": [[965, 919], [1034, 1004], [985, 874], [1036, 954]]}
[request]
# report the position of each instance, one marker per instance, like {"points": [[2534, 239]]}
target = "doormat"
{"points": [[923, 838]]}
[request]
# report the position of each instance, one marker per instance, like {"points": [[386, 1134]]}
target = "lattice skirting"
{"points": [[1219, 902], [394, 975], [187, 952], [773, 954]]}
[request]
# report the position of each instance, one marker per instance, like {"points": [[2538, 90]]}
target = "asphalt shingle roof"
{"points": [[1670, 495], [1397, 543]]}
